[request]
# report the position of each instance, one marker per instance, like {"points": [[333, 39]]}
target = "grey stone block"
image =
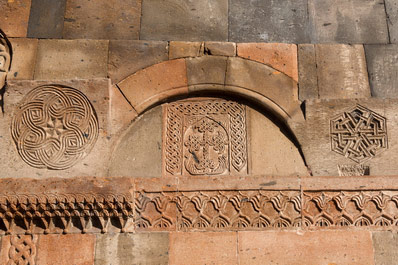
{"points": [[184, 20], [382, 63], [46, 19], [385, 244], [268, 21], [126, 249], [392, 18], [348, 21], [308, 82]]}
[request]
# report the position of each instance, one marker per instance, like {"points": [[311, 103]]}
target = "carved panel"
{"points": [[54, 127], [349, 208], [22, 250], [358, 134], [353, 170], [204, 137], [218, 210]]}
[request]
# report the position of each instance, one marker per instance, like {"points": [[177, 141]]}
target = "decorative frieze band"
{"points": [[156, 205]]}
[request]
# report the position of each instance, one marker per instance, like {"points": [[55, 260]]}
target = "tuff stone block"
{"points": [[23, 59], [160, 81], [268, 21], [341, 71], [382, 61], [312, 248], [280, 56], [46, 19], [392, 19], [144, 137], [128, 56], [180, 49], [76, 249], [206, 69], [385, 245], [220, 48], [18, 249], [139, 248], [184, 20], [15, 17], [203, 248], [308, 79], [64, 59], [352, 21], [94, 161], [94, 20]]}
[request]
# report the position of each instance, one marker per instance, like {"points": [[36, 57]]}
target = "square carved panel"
{"points": [[204, 137]]}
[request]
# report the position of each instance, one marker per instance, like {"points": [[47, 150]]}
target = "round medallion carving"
{"points": [[54, 127]]}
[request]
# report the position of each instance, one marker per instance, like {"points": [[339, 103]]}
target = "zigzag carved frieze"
{"points": [[219, 210]]}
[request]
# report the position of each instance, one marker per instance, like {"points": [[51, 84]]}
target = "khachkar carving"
{"points": [[22, 249], [205, 137], [349, 208], [64, 213], [54, 127], [358, 134], [218, 210]]}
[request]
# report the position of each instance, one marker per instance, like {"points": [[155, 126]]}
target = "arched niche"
{"points": [[207, 136]]}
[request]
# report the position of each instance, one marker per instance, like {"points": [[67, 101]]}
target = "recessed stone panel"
{"points": [[268, 21], [184, 20]]}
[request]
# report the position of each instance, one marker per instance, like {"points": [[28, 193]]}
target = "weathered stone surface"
{"points": [[66, 249], [206, 70], [316, 142], [139, 153], [312, 248], [382, 63], [220, 48], [94, 164], [102, 19], [392, 19], [121, 112], [268, 21], [308, 79], [341, 71], [14, 17], [203, 248], [64, 59], [46, 19], [127, 57], [184, 20], [23, 59], [280, 56], [281, 89], [271, 152], [385, 245], [125, 249], [352, 21], [180, 49], [155, 83]]}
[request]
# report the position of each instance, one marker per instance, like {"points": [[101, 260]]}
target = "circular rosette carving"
{"points": [[54, 127]]}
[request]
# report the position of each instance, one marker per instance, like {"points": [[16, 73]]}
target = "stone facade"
{"points": [[207, 132]]}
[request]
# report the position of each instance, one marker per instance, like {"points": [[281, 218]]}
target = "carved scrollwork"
{"points": [[54, 127]]}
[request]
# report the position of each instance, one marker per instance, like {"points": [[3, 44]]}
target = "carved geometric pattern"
{"points": [[205, 137], [358, 134], [353, 170], [54, 127], [64, 213], [22, 250], [218, 210], [351, 208]]}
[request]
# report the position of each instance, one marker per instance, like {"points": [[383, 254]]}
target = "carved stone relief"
{"points": [[358, 134], [5, 64], [54, 127], [353, 170], [204, 137], [22, 249]]}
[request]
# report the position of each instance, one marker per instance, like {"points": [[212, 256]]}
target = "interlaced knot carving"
{"points": [[22, 250], [358, 134], [54, 127]]}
